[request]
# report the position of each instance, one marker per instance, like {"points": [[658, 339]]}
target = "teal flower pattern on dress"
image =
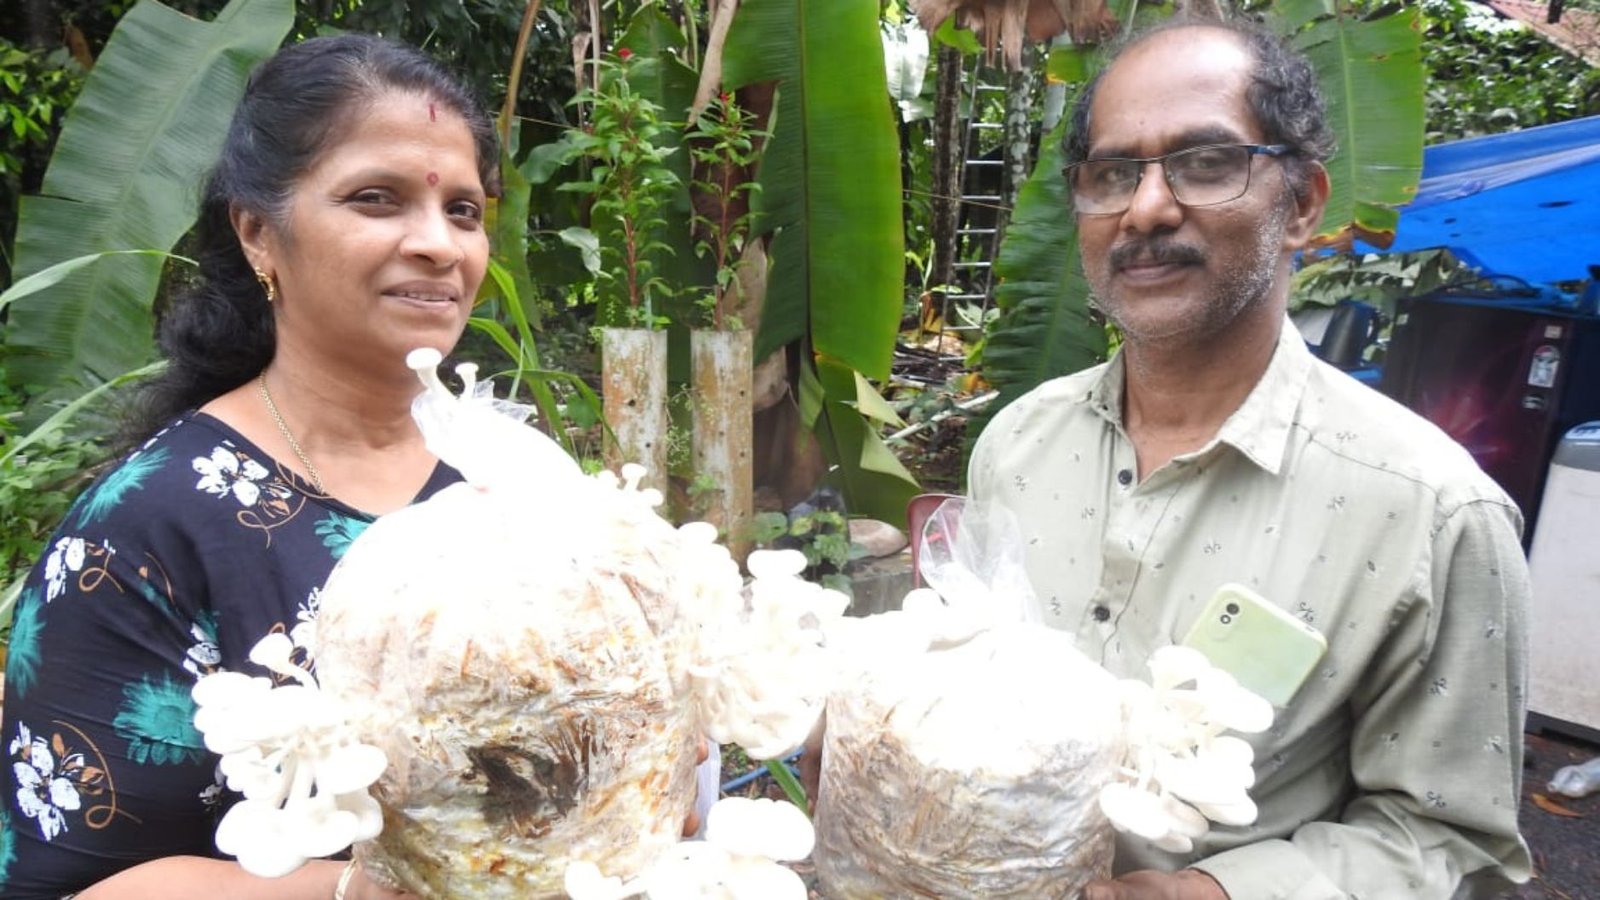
{"points": [[129, 476], [22, 659], [338, 532], [157, 720], [153, 595], [8, 847]]}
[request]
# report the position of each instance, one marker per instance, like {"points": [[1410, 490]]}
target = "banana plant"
{"points": [[142, 134], [1371, 74], [829, 206]]}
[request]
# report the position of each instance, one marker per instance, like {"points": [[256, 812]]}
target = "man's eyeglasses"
{"points": [[1198, 176]]}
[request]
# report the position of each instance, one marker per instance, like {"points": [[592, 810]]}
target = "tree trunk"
{"points": [[1018, 134], [948, 147]]}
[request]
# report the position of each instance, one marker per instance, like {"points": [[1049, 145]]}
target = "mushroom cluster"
{"points": [[536, 653], [745, 841], [1183, 770], [973, 753], [291, 753]]}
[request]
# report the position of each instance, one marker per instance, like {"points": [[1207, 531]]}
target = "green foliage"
{"points": [[36, 489], [36, 87], [561, 398], [1372, 79], [823, 535], [476, 39], [830, 204], [1374, 279], [630, 185], [40, 474], [1488, 75], [143, 132], [724, 145]]}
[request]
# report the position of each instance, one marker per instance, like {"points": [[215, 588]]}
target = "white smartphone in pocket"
{"points": [[1268, 650]]}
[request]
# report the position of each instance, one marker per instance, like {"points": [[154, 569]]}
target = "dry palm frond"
{"points": [[1007, 22]]}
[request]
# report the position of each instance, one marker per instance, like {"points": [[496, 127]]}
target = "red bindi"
{"points": [[431, 116], [433, 178]]}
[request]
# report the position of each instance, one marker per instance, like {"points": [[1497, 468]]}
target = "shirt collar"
{"points": [[1261, 426]]}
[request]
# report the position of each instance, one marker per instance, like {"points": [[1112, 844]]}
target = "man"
{"points": [[1215, 449]]}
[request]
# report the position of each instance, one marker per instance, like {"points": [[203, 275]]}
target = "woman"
{"points": [[341, 228]]}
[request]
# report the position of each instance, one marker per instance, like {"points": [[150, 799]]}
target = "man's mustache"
{"points": [[1154, 252]]}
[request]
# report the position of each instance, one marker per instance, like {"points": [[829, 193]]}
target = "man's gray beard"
{"points": [[1233, 292]]}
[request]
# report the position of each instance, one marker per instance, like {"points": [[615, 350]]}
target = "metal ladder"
{"points": [[975, 246]]}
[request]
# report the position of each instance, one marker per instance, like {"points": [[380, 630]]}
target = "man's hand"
{"points": [[1187, 884]]}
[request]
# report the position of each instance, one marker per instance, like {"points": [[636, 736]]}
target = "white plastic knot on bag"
{"points": [[289, 751]]}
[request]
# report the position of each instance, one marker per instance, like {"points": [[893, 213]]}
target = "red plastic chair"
{"points": [[918, 510]]}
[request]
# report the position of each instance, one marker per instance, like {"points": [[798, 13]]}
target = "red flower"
{"points": [[624, 54], [727, 97]]}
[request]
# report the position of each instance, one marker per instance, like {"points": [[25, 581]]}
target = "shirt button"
{"points": [[1125, 477], [1101, 613]]}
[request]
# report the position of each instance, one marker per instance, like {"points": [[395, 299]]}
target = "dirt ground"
{"points": [[1562, 832]]}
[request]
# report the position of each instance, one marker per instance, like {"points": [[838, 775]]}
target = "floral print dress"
{"points": [[170, 566]]}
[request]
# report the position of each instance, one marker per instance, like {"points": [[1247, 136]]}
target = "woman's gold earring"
{"points": [[268, 284]]}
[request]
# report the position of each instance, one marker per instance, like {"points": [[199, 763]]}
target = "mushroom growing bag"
{"points": [[965, 752], [518, 647]]}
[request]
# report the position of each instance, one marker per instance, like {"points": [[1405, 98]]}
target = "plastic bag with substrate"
{"points": [[514, 646], [967, 744]]}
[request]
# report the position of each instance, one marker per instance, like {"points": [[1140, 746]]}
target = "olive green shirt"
{"points": [[1395, 770]]}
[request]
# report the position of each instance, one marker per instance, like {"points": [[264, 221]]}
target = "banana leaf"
{"points": [[830, 178], [829, 205], [1372, 77], [507, 224], [124, 176]]}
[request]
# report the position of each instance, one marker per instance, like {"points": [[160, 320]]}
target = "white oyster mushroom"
{"points": [[1238, 813], [1135, 811], [1175, 664], [1183, 769], [584, 881], [289, 752], [756, 660], [1232, 706], [760, 828], [738, 860]]}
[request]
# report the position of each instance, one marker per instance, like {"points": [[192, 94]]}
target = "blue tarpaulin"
{"points": [[1525, 203]]}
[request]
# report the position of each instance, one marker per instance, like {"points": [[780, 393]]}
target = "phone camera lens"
{"points": [[1226, 618], [1233, 609]]}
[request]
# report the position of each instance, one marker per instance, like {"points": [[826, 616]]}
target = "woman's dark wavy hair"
{"points": [[296, 106], [1284, 96]]}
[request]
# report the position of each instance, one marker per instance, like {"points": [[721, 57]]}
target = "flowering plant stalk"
{"points": [[630, 183], [724, 144]]}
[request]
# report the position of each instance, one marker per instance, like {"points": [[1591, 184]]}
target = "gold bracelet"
{"points": [[344, 880]]}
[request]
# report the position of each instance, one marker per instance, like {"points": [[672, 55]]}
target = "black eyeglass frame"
{"points": [[1275, 151]]}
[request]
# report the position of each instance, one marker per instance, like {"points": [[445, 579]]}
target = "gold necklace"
{"points": [[288, 436]]}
